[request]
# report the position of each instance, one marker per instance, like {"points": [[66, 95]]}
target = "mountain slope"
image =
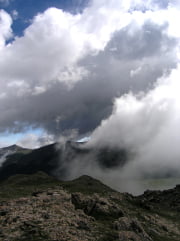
{"points": [[42, 159], [6, 151], [54, 159], [40, 208]]}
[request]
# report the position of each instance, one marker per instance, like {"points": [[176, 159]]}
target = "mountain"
{"points": [[35, 206], [6, 151], [38, 207], [23, 161], [54, 159]]}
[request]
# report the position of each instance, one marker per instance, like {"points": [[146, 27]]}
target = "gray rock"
{"points": [[96, 206], [129, 236], [132, 225]]}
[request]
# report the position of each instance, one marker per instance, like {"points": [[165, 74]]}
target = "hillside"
{"points": [[38, 207], [10, 150], [42, 159], [53, 159]]}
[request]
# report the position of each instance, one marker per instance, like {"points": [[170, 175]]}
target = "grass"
{"points": [[86, 185], [24, 185]]}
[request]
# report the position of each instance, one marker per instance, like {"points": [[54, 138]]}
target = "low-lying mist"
{"points": [[146, 127]]}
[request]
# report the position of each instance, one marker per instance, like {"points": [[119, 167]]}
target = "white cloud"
{"points": [[33, 141], [3, 156], [136, 71], [39, 70], [56, 40], [147, 126], [15, 14], [72, 74], [5, 28], [39, 90]]}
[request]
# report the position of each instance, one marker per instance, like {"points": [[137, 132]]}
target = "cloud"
{"points": [[111, 69], [147, 127], [3, 156], [53, 44], [5, 28], [71, 67], [15, 14], [35, 141]]}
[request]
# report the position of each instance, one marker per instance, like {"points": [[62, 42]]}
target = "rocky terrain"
{"points": [[38, 207]]}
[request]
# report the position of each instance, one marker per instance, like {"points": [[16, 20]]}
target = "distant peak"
{"points": [[14, 147]]}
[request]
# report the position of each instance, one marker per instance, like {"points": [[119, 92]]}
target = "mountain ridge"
{"points": [[51, 158], [37, 207]]}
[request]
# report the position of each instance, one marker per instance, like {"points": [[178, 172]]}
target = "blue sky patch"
{"points": [[28, 9], [7, 139]]}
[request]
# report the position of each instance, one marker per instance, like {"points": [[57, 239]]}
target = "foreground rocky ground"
{"points": [[38, 207]]}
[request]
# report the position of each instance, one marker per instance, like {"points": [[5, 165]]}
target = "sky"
{"points": [[23, 12], [91, 68]]}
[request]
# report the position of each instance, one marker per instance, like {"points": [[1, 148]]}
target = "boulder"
{"points": [[129, 236], [131, 225], [96, 206]]}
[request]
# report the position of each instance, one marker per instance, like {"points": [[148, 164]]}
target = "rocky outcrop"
{"points": [[130, 229], [45, 216], [169, 199], [39, 208], [96, 206]]}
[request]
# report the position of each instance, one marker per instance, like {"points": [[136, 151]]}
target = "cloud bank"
{"points": [[111, 69], [71, 67], [147, 127]]}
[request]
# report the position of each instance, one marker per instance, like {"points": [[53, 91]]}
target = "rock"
{"points": [[153, 231], [54, 214], [32, 219], [15, 219], [28, 226], [22, 200], [165, 228], [37, 193], [49, 193], [45, 216], [83, 225], [96, 206], [129, 236], [3, 212], [132, 225], [1, 234]]}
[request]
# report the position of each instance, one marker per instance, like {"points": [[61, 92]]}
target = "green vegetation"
{"points": [[24, 185], [86, 185]]}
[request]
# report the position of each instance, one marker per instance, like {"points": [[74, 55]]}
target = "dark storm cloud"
{"points": [[129, 62], [66, 76]]}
